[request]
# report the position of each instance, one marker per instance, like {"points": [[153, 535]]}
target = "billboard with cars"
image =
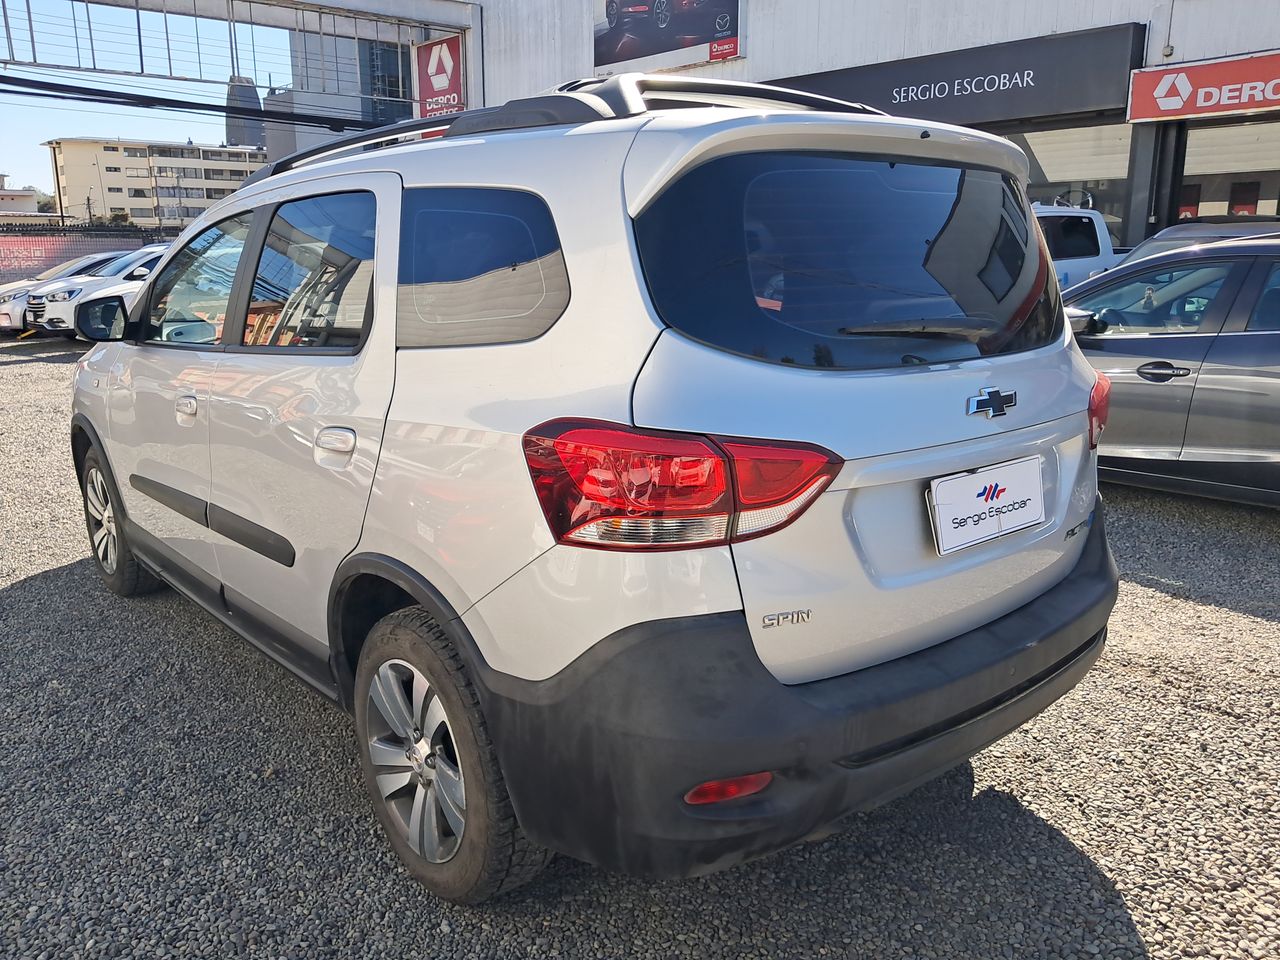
{"points": [[646, 35]]}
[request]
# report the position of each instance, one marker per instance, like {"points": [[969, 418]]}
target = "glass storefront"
{"points": [[1231, 170], [1081, 167]]}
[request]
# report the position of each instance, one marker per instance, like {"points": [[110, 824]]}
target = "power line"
{"points": [[62, 91]]}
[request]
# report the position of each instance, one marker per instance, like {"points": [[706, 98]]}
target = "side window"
{"points": [[314, 282], [477, 266], [1266, 313], [1070, 238], [1167, 300], [189, 298]]}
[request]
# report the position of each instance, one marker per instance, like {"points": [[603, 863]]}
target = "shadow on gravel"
{"points": [[14, 352], [1194, 548], [167, 781]]}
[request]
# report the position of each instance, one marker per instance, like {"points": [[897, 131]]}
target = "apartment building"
{"points": [[151, 184]]}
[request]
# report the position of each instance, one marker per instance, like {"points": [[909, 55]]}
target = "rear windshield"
{"points": [[846, 262]]}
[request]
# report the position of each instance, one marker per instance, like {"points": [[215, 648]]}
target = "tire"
{"points": [[112, 558], [430, 768]]}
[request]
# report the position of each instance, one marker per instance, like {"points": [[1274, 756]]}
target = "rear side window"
{"points": [[846, 262], [477, 266], [314, 282], [1070, 238]]}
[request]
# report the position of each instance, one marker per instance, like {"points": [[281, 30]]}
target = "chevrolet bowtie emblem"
{"points": [[992, 402]]}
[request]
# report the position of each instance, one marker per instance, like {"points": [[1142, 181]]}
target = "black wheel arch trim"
{"points": [[418, 587]]}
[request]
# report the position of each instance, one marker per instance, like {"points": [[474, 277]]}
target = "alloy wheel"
{"points": [[102, 520], [662, 13], [412, 748]]}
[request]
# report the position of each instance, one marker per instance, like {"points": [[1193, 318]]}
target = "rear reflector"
{"points": [[1099, 409], [717, 791], [616, 487]]}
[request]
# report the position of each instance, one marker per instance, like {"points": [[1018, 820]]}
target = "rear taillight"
{"points": [[718, 791], [616, 487], [1099, 409]]}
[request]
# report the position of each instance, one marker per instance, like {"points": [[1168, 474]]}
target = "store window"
{"points": [[1234, 169], [1081, 167]]}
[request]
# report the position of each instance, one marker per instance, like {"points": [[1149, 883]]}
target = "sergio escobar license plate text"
{"points": [[971, 508]]}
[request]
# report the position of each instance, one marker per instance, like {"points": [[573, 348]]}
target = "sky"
{"points": [[45, 33]]}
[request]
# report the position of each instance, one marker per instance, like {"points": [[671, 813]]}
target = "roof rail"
{"points": [[631, 94], [579, 101]]}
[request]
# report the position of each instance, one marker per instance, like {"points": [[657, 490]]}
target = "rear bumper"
{"points": [[598, 758]]}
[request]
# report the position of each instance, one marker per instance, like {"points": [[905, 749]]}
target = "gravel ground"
{"points": [[166, 791]]}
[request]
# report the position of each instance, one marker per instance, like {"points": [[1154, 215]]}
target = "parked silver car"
{"points": [[658, 470], [1191, 342]]}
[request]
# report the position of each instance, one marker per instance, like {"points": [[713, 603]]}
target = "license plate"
{"points": [[974, 507]]}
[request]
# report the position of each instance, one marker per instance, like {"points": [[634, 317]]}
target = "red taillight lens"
{"points": [[1099, 409], [717, 791], [606, 485], [774, 482]]}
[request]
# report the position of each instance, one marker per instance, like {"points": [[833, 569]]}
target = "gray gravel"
{"points": [[166, 791]]}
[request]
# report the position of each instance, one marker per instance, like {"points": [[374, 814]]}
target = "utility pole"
{"points": [[88, 205]]}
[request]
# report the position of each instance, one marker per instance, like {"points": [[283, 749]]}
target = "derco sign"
{"points": [[1214, 88]]}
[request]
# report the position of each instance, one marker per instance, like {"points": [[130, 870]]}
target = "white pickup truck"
{"points": [[1079, 242]]}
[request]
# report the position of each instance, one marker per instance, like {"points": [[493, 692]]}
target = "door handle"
{"points": [[1162, 371], [186, 406], [336, 440]]}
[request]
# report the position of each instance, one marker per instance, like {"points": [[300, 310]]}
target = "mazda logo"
{"points": [[722, 22]]}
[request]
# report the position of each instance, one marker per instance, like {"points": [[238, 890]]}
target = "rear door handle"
{"points": [[1162, 371], [185, 406], [336, 440]]}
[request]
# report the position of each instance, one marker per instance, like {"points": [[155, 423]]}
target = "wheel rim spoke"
{"points": [[451, 794], [388, 696], [430, 845], [421, 689], [384, 753], [389, 783], [93, 499], [434, 719], [110, 561], [100, 543]]}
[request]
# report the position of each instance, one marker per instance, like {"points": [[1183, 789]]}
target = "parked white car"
{"points": [[13, 295], [52, 306], [1078, 242]]}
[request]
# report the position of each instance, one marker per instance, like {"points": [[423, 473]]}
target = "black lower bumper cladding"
{"points": [[598, 758]]}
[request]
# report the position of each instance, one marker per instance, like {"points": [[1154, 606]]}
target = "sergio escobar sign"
{"points": [[1235, 85], [964, 86]]}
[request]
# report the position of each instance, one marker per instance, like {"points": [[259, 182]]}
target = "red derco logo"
{"points": [[1233, 86], [725, 49], [439, 68]]}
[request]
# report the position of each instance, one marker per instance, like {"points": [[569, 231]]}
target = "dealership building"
{"points": [[1163, 110]]}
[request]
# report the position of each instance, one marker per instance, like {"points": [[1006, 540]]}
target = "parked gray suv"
{"points": [[658, 469]]}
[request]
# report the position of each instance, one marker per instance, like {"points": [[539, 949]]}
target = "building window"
{"points": [[139, 193], [110, 149], [217, 193], [1235, 167], [177, 153], [108, 169], [133, 171], [1244, 199], [1189, 201], [1081, 167], [117, 209], [142, 213], [116, 190], [135, 152]]}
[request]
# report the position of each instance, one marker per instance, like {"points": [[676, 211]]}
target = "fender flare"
{"points": [[423, 592]]}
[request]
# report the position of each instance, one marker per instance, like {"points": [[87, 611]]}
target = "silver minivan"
{"points": [[658, 469]]}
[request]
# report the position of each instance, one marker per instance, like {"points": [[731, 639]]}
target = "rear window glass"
{"points": [[477, 265], [1070, 238], [846, 262]]}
